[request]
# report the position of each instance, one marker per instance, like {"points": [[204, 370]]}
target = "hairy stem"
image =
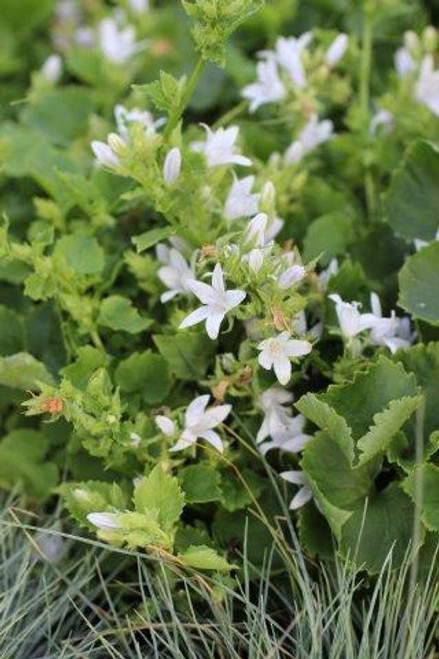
{"points": [[188, 92]]}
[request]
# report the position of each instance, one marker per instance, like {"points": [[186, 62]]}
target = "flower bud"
{"points": [[117, 144], [268, 199], [166, 425], [52, 68], [337, 49], [429, 38], [104, 521], [172, 166]]}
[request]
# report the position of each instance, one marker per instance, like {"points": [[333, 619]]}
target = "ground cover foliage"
{"points": [[219, 265]]}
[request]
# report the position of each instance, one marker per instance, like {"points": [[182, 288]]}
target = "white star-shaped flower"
{"points": [[216, 302], [289, 53], [312, 135], [199, 423], [268, 88], [117, 45], [386, 331], [285, 431], [126, 117], [304, 494], [427, 85], [351, 321], [241, 202], [219, 147], [175, 272], [277, 351]]}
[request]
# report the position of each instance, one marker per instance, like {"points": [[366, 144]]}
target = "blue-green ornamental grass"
{"points": [[219, 276]]}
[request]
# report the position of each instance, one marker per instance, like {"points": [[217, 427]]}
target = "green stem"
{"points": [[188, 92], [366, 56]]}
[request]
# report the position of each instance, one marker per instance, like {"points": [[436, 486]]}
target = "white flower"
{"points": [[292, 276], [427, 86], [105, 155], [216, 302], [337, 49], [52, 68], [241, 202], [386, 331], [261, 231], [118, 46], [198, 423], [126, 117], [313, 134], [291, 440], [382, 118], [219, 147], [175, 272], [165, 424], [289, 55], [325, 275], [277, 351], [268, 88], [139, 6], [104, 521], [272, 402], [351, 321], [404, 63], [172, 166], [304, 494]]}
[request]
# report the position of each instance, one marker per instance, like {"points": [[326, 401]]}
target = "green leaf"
{"points": [[25, 15], [160, 493], [327, 419], [88, 361], [204, 558], [152, 237], [382, 523], [188, 356], [329, 235], [200, 483], [22, 371], [412, 203], [370, 393], [22, 460], [423, 361], [386, 425], [419, 284], [118, 314], [315, 532], [80, 253], [61, 115], [11, 332], [234, 495], [332, 475], [428, 476], [145, 373]]}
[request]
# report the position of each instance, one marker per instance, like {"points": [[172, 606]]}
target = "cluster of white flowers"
{"points": [[108, 154], [391, 332], [285, 431], [283, 68]]}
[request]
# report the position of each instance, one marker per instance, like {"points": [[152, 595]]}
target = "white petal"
{"points": [[215, 415], [297, 348], [214, 439], [104, 521], [195, 410], [213, 323], [301, 498], [294, 476], [166, 425], [205, 293], [218, 278], [185, 441], [265, 359], [195, 317], [282, 369], [234, 298]]}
